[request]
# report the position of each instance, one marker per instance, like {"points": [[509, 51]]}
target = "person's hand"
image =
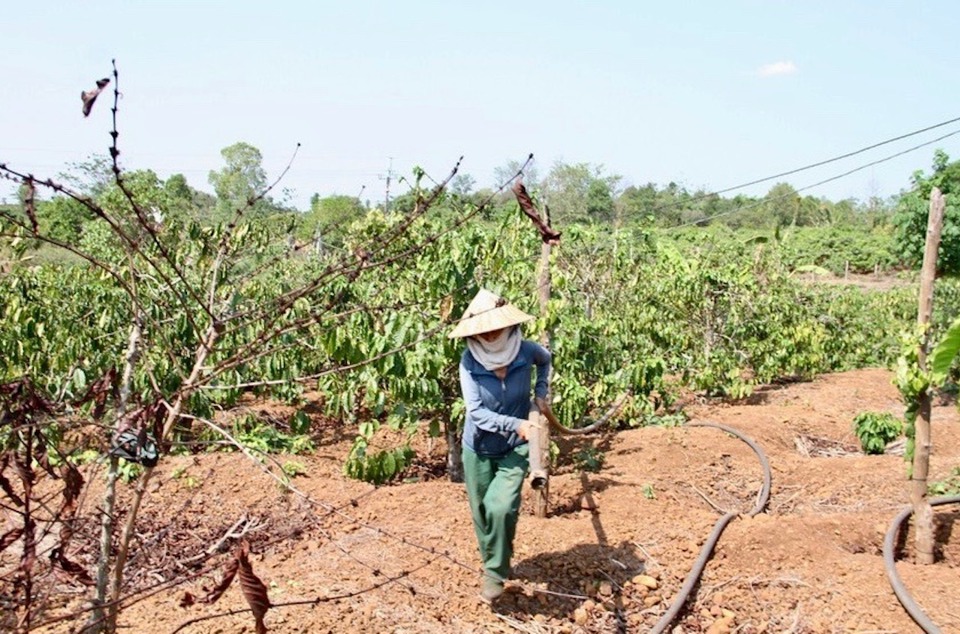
{"points": [[542, 404], [524, 430]]}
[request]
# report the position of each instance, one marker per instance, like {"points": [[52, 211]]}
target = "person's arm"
{"points": [[483, 417], [544, 362]]}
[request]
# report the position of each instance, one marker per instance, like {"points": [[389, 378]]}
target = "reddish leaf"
{"points": [[129, 420], [228, 574], [547, 233], [187, 600], [72, 485], [98, 392], [8, 489], [29, 556], [89, 96], [254, 591], [9, 537], [27, 475], [73, 569], [41, 457], [23, 401], [158, 412]]}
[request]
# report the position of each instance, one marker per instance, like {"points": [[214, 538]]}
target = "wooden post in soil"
{"points": [[541, 221], [542, 495], [922, 512]]}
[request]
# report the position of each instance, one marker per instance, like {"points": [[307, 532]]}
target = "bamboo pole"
{"points": [[922, 512]]}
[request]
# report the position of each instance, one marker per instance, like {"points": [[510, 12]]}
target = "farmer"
{"points": [[496, 380]]}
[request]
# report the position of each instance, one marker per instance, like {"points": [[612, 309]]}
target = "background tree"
{"points": [[638, 204], [462, 185], [910, 218], [329, 217], [580, 193], [531, 179], [91, 176], [240, 179], [531, 175], [782, 205], [63, 218], [185, 202]]}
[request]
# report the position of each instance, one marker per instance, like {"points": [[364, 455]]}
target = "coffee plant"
{"points": [[875, 430]]}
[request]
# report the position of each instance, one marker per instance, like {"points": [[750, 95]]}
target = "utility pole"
{"points": [[388, 177]]}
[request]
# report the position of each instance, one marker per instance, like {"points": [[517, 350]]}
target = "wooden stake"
{"points": [[542, 495], [922, 512]]}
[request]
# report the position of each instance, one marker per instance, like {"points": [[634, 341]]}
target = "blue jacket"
{"points": [[495, 408]]}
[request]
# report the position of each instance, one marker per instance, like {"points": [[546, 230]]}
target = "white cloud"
{"points": [[777, 68]]}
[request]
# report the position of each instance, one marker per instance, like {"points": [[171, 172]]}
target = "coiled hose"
{"points": [[906, 600]]}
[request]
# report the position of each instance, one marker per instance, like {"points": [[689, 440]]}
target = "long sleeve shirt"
{"points": [[497, 407]]}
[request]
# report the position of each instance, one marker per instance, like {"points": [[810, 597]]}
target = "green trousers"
{"points": [[493, 487]]}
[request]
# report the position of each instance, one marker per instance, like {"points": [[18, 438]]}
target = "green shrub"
{"points": [[875, 430], [589, 459], [948, 486]]}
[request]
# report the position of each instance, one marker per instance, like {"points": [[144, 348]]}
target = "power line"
{"points": [[813, 165], [843, 156], [827, 180]]}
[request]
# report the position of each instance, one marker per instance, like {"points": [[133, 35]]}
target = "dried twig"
{"points": [[708, 500], [531, 627], [248, 526], [647, 554]]}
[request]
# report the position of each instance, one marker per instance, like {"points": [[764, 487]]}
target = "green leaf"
{"points": [[812, 268], [945, 353], [79, 380], [389, 465], [300, 422]]}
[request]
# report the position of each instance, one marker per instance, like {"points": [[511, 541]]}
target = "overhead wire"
{"points": [[818, 183], [757, 203], [813, 165]]}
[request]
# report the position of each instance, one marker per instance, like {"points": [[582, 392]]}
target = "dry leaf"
{"points": [[89, 97], [254, 590], [73, 569], [547, 233], [446, 307], [228, 574], [187, 600], [9, 537]]}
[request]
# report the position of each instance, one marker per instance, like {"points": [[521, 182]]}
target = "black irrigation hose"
{"points": [[763, 496], [906, 600]]}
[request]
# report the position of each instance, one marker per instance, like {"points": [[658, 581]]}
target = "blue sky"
{"points": [[707, 94]]}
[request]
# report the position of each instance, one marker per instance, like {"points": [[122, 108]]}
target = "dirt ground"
{"points": [[611, 555]]}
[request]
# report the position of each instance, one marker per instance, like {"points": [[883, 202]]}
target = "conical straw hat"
{"points": [[487, 311]]}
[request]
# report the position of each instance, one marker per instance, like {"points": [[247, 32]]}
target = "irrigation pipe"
{"points": [[763, 496], [592, 427], [906, 600]]}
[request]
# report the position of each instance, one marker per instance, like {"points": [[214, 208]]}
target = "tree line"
{"points": [[580, 193]]}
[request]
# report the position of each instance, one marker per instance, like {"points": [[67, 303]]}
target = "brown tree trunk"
{"points": [[922, 513], [454, 457]]}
